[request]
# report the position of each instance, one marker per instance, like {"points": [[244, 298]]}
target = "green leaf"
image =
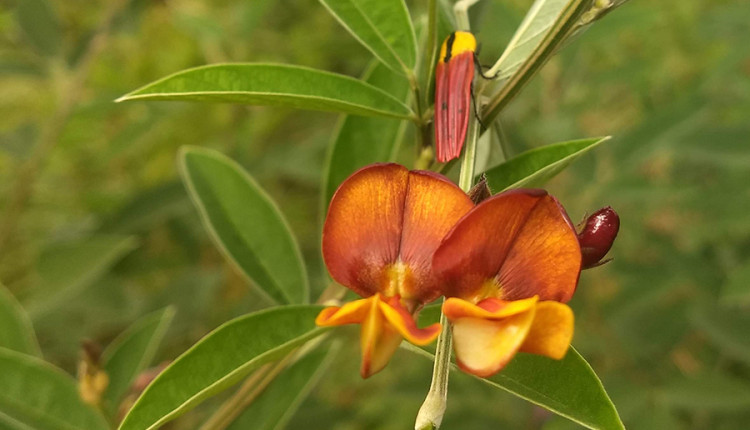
{"points": [[284, 395], [67, 268], [536, 23], [564, 24], [273, 84], [221, 359], [39, 21], [245, 224], [16, 331], [40, 396], [132, 352], [382, 26], [535, 167], [707, 393], [364, 140], [568, 387], [727, 328]]}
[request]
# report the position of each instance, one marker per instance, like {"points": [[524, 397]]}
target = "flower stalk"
{"points": [[431, 412]]}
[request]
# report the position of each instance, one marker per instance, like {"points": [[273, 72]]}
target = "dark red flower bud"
{"points": [[597, 235]]}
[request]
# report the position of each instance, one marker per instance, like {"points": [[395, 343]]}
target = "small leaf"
{"points": [[364, 140], [707, 393], [284, 395], [221, 359], [382, 26], [132, 352], [39, 21], [37, 395], [536, 23], [245, 224], [67, 268], [273, 84], [568, 387], [562, 26], [535, 167], [16, 331]]}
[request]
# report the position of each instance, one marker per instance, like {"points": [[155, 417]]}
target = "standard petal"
{"points": [[512, 246], [551, 332], [483, 347], [545, 258], [383, 225], [433, 205], [362, 231]]}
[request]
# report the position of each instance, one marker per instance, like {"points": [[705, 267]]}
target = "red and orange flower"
{"points": [[402, 238], [507, 268], [382, 228]]}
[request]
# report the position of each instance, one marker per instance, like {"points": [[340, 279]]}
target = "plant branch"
{"points": [[431, 413]]}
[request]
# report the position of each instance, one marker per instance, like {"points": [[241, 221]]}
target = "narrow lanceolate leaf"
{"points": [[221, 359], [16, 332], [382, 26], [568, 387], [555, 34], [280, 400], [245, 224], [535, 167], [67, 268], [132, 352], [276, 85], [39, 396], [364, 140], [535, 24]]}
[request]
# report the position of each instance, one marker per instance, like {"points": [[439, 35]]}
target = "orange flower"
{"points": [[382, 228], [508, 266]]}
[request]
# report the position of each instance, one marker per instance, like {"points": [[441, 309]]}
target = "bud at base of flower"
{"points": [[597, 236]]}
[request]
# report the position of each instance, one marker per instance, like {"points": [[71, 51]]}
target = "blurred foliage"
{"points": [[83, 179]]}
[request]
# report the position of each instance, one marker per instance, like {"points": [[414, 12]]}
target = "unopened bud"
{"points": [[597, 236]]}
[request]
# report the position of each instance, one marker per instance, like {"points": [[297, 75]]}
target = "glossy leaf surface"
{"points": [[535, 167], [221, 359], [382, 26], [245, 224], [276, 85]]}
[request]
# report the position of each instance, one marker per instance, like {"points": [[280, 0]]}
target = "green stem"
{"points": [[431, 413]]}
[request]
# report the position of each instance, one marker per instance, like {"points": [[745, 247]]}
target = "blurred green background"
{"points": [[96, 229]]}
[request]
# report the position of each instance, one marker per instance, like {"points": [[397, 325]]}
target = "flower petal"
{"points": [[383, 225], [351, 313], [433, 205], [384, 324], [362, 231], [402, 321], [551, 332], [378, 340], [484, 346], [545, 258], [521, 240], [490, 309]]}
